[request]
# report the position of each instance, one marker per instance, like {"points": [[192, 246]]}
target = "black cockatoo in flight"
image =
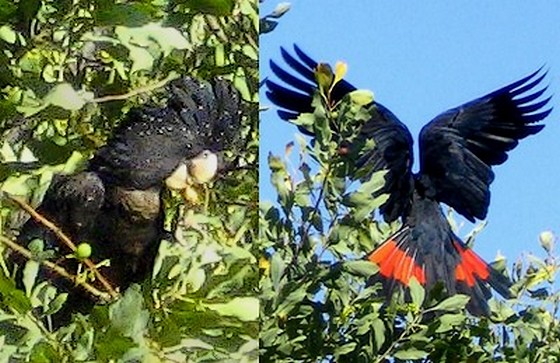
{"points": [[457, 150], [116, 203]]}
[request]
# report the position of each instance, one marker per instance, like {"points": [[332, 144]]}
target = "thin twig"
{"points": [[55, 268], [317, 205], [399, 340], [137, 91], [64, 238]]}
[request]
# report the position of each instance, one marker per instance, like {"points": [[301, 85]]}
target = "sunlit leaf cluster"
{"points": [[69, 73]]}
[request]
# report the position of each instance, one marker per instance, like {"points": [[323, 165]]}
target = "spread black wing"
{"points": [[73, 203], [393, 142], [458, 147], [298, 99]]}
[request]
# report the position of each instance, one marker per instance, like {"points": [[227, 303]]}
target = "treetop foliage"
{"points": [[69, 72]]}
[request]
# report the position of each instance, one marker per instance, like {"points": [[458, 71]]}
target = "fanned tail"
{"points": [[450, 262]]}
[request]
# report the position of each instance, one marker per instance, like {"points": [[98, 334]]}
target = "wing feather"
{"points": [[393, 142], [458, 147], [72, 202]]}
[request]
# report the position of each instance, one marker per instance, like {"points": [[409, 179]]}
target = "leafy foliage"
{"points": [[69, 72], [316, 303]]}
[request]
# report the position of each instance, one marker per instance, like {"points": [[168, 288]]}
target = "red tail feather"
{"points": [[471, 267], [395, 263], [431, 260]]}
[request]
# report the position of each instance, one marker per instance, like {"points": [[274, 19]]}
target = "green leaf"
{"points": [[139, 40], [277, 267], [302, 195], [421, 336], [7, 34], [340, 70], [44, 353], [294, 298], [411, 354], [133, 14], [361, 97], [243, 308], [304, 119], [112, 345], [7, 10], [362, 199], [324, 76], [378, 333], [212, 7], [168, 38], [16, 185], [453, 303], [141, 59], [449, 321], [280, 180], [417, 292], [345, 349], [195, 344], [49, 152], [32, 61], [57, 303], [275, 163], [195, 277], [361, 268], [84, 346], [364, 193], [13, 297], [36, 246], [63, 95], [128, 315], [30, 273], [500, 310], [364, 210]]}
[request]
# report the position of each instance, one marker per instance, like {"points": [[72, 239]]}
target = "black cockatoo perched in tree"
{"points": [[457, 150], [116, 203]]}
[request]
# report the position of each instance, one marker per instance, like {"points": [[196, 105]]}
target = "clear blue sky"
{"points": [[422, 58]]}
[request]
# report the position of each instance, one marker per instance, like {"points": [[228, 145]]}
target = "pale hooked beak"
{"points": [[198, 170], [203, 167]]}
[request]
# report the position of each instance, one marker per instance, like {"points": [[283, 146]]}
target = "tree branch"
{"points": [[65, 239], [56, 269], [137, 91]]}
